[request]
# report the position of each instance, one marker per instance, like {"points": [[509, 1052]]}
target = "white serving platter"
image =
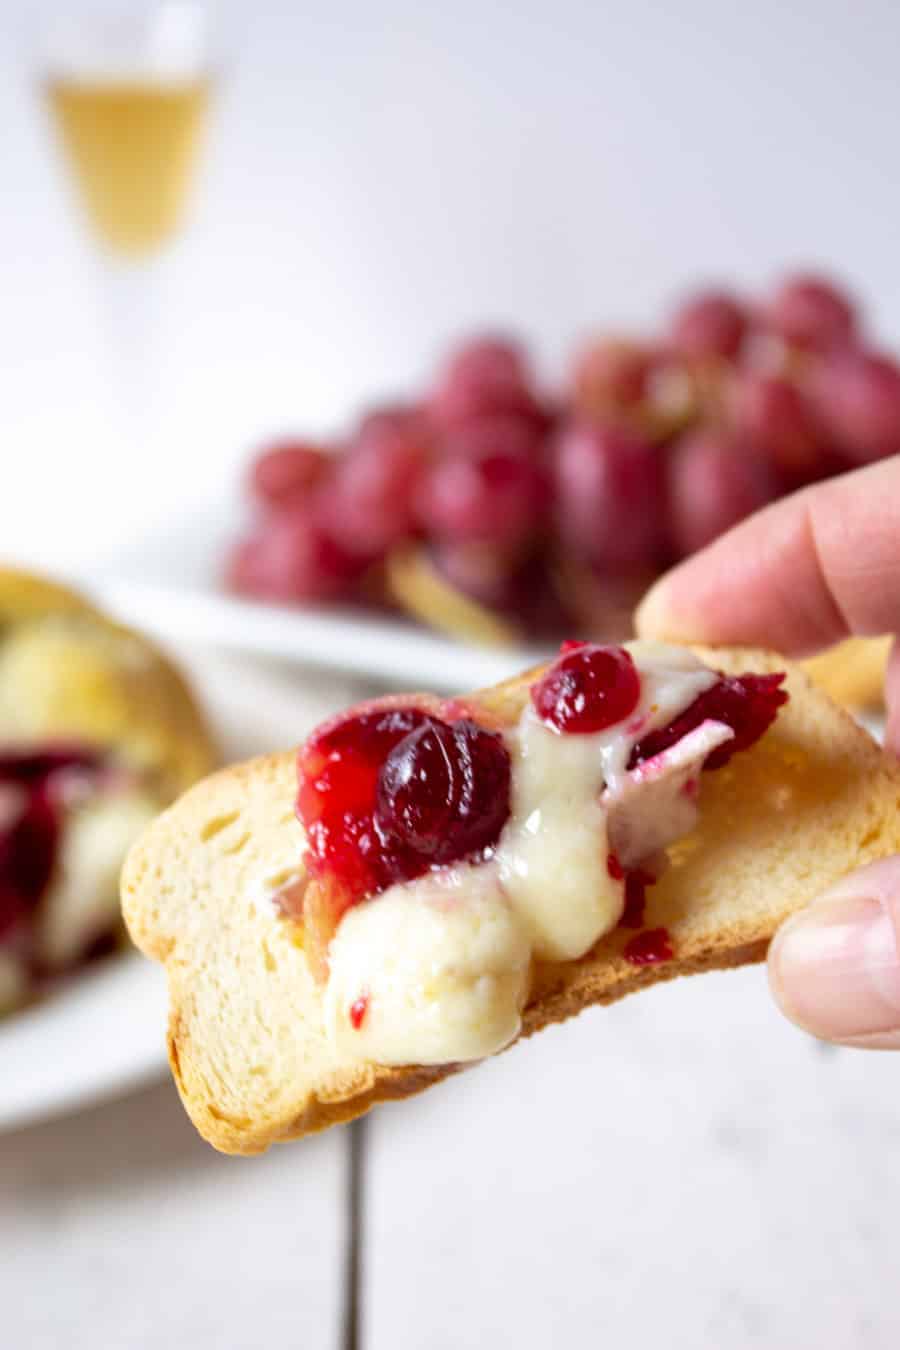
{"points": [[103, 1033], [169, 583]]}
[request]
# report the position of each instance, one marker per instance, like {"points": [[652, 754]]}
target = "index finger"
{"points": [[812, 569]]}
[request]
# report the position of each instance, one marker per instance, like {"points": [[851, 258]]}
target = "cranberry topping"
{"points": [[30, 823], [587, 689], [358, 1010], [746, 703], [338, 774], [387, 794], [443, 791], [30, 766], [649, 948], [27, 853], [636, 883]]}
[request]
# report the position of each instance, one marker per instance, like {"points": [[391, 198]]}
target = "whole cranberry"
{"points": [[443, 791], [587, 689]]}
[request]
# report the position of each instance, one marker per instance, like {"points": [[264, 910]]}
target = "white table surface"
{"points": [[119, 1229], [682, 1170]]}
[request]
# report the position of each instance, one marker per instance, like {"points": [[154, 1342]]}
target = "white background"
{"points": [[381, 176]]}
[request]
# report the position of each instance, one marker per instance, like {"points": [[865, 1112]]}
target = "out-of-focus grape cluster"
{"points": [[552, 511]]}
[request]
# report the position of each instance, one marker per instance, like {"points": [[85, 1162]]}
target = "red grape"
{"points": [[497, 434], [535, 601], [524, 591], [610, 496], [712, 324], [392, 423], [290, 557], [611, 375], [490, 361], [368, 505], [481, 571], [811, 313], [484, 377], [858, 397], [776, 419], [454, 406], [287, 471], [714, 482], [497, 498]]}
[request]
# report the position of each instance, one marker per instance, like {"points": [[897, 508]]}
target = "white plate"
{"points": [[104, 1033], [168, 583]]}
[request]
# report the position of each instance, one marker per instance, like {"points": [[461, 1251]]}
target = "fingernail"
{"points": [[835, 969]]}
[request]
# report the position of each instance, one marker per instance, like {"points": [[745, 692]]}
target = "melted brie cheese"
{"points": [[82, 900], [552, 854], [429, 972]]}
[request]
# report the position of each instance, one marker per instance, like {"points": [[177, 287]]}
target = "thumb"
{"points": [[834, 968]]}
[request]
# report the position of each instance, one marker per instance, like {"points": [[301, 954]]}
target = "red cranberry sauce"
{"points": [[649, 948], [636, 883], [32, 797], [589, 688], [393, 790], [747, 703], [387, 794]]}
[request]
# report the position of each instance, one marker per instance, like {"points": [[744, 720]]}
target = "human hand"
{"points": [[812, 569]]}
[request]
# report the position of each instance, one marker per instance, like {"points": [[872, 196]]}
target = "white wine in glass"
{"points": [[131, 144]]}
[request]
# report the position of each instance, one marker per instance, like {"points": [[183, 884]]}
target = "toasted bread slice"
{"points": [[852, 673], [812, 800]]}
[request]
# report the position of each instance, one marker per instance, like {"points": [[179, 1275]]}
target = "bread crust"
{"points": [[853, 672], [812, 800]]}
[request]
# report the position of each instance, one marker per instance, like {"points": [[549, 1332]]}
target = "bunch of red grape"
{"points": [[535, 505]]}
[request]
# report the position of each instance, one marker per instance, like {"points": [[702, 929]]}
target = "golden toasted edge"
{"points": [[562, 989], [25, 595]]}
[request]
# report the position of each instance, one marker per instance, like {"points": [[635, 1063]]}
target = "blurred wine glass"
{"points": [[128, 84]]}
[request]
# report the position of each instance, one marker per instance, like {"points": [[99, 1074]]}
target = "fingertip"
{"points": [[657, 617], [834, 968]]}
